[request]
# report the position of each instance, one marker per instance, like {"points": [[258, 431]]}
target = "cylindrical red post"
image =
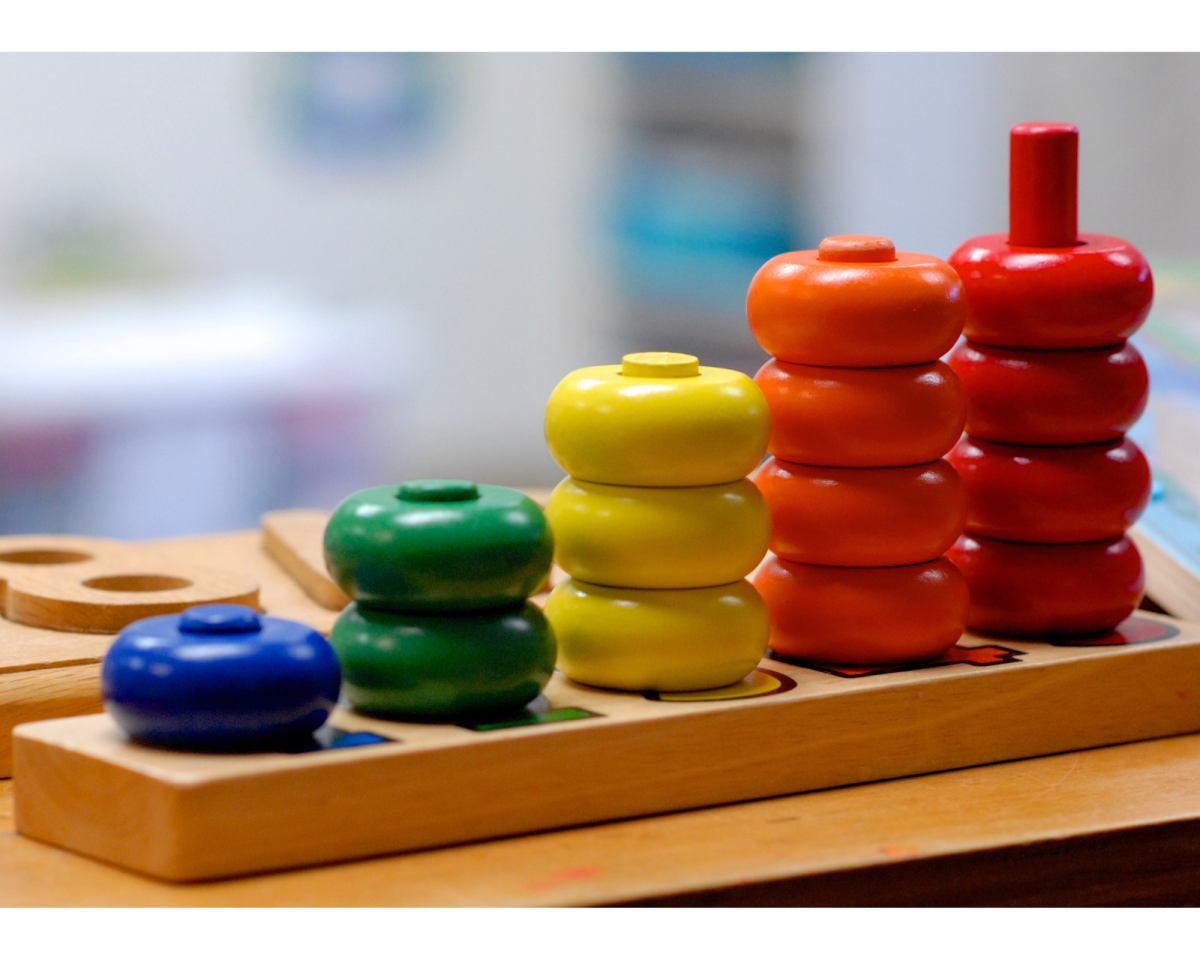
{"points": [[1043, 185]]}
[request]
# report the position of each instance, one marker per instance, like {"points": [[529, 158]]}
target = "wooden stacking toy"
{"points": [[219, 677], [862, 505], [1052, 386], [440, 572], [657, 524]]}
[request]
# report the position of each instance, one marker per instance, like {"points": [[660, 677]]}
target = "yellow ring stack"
{"points": [[657, 524]]}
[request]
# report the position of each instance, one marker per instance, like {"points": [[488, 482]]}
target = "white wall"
{"points": [[489, 239], [915, 146], [907, 146]]}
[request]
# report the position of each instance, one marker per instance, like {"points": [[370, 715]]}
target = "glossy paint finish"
{"points": [[856, 417], [863, 615], [1094, 294], [407, 549], [219, 677], [807, 309], [658, 537], [628, 639], [1051, 397], [1036, 494], [859, 517], [606, 426], [1042, 184], [1038, 589], [443, 665]]}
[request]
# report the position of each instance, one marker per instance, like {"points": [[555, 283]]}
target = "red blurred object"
{"points": [[862, 417], [863, 615], [1039, 589], [1042, 184], [1054, 298], [1051, 397], [1052, 494], [857, 517]]}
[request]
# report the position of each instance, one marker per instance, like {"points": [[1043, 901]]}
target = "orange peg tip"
{"points": [[856, 248]]}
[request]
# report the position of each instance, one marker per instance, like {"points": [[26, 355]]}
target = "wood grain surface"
{"points": [[88, 585], [1111, 826], [1118, 825], [183, 816], [294, 539]]}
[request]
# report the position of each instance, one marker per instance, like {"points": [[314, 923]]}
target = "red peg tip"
{"points": [[855, 248], [1043, 185]]}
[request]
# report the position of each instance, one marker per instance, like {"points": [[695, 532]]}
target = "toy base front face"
{"points": [[82, 786], [629, 639]]}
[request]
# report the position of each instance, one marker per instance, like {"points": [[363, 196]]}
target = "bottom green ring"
{"points": [[442, 666]]}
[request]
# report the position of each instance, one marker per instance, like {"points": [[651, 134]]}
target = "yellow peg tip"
{"points": [[659, 364]]}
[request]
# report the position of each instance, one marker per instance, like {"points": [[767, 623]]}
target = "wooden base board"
{"points": [[82, 785], [1117, 826]]}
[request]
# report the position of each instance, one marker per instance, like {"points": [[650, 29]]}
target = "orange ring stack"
{"points": [[862, 411]]}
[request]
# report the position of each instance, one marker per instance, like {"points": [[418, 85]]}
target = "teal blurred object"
{"points": [[695, 237], [705, 193]]}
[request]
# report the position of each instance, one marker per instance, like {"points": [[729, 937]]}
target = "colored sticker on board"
{"points": [[982, 656], [330, 737], [535, 712], [760, 683]]}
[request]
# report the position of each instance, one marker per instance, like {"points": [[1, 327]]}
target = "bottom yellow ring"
{"points": [[628, 639]]}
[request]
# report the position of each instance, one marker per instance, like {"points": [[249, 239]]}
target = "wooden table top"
{"points": [[1117, 825]]}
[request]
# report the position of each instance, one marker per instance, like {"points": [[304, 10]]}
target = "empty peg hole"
{"points": [[137, 583], [44, 556]]}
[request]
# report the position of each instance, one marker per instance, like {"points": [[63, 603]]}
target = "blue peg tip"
{"points": [[220, 618]]}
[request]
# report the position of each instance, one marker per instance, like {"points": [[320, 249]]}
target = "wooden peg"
{"points": [[294, 538]]}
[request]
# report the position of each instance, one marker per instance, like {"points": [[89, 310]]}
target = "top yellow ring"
{"points": [[669, 423]]}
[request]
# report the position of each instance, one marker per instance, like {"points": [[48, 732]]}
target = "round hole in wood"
{"points": [[44, 556], [137, 583]]}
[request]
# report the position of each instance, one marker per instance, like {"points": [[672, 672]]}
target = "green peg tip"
{"points": [[438, 491]]}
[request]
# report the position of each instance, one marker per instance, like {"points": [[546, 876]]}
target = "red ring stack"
{"points": [[1052, 386]]}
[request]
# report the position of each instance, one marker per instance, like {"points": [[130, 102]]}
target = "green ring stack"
{"points": [[440, 572]]}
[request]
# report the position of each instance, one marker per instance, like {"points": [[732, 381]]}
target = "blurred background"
{"points": [[234, 283]]}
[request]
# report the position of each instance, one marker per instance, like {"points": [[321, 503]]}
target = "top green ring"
{"points": [[429, 546]]}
